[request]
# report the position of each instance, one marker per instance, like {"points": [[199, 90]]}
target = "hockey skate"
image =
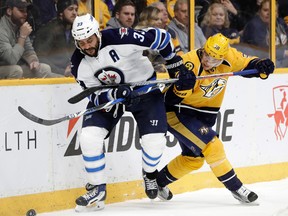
{"points": [[151, 187], [164, 193], [93, 200], [244, 195]]}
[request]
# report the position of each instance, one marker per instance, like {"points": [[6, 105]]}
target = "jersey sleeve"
{"points": [[148, 38]]}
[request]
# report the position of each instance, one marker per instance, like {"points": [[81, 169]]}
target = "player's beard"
{"points": [[92, 52]]}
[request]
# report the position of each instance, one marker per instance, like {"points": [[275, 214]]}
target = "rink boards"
{"points": [[41, 167]]}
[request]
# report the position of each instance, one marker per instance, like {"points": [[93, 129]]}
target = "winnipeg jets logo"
{"points": [[109, 76], [214, 88]]}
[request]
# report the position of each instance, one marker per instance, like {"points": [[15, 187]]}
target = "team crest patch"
{"points": [[123, 31], [109, 75], [204, 130], [213, 88]]}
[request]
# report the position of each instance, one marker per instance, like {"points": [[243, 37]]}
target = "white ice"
{"points": [[272, 201]]}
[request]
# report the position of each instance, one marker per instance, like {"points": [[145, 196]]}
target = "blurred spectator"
{"points": [[124, 15], [164, 25], [151, 17], [199, 38], [237, 20], [180, 23], [256, 33], [54, 43], [216, 20], [47, 10], [17, 55], [84, 7]]}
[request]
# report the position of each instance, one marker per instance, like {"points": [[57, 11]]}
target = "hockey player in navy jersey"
{"points": [[114, 56], [192, 108]]}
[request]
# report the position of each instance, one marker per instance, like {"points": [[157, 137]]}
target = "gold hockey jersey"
{"points": [[208, 94]]}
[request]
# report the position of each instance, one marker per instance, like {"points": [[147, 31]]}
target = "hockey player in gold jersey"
{"points": [[192, 107]]}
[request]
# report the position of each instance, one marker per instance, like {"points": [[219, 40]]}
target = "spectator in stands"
{"points": [[237, 20], [84, 7], [164, 25], [180, 23], [151, 17], [256, 33], [216, 20], [199, 38], [17, 56], [125, 12], [54, 43]]}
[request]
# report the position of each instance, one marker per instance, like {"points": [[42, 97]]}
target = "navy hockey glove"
{"points": [[173, 65], [186, 80], [126, 93], [264, 67]]}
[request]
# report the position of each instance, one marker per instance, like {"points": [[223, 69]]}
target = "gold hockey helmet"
{"points": [[217, 46]]}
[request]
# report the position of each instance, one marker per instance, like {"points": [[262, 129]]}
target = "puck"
{"points": [[31, 212]]}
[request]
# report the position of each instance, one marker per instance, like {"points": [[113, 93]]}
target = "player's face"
{"points": [[209, 62], [126, 16], [90, 45]]}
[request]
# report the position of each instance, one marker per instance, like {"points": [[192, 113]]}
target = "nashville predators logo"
{"points": [[214, 88], [204, 130]]}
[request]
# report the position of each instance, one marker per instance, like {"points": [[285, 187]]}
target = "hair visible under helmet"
{"points": [[84, 27], [217, 46]]}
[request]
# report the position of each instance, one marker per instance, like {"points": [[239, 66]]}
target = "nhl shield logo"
{"points": [[280, 114]]}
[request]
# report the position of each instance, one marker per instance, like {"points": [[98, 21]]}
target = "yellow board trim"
{"points": [[119, 192], [36, 81]]}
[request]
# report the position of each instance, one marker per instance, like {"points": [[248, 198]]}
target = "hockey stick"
{"points": [[30, 116], [85, 93]]}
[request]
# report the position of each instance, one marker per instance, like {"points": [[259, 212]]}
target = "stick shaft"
{"points": [[85, 93], [36, 119]]}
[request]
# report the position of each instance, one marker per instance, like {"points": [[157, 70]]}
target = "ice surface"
{"points": [[272, 201]]}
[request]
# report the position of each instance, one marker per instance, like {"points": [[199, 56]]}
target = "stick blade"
{"points": [[38, 120]]}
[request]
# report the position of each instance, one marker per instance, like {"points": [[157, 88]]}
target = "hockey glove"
{"points": [[264, 67], [126, 93], [186, 80], [173, 65]]}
